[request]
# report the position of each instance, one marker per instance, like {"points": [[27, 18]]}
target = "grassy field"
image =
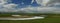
{"points": [[50, 19]]}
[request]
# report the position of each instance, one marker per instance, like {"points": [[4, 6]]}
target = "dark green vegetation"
{"points": [[29, 14], [52, 18]]}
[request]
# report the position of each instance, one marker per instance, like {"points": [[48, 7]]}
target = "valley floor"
{"points": [[49, 19]]}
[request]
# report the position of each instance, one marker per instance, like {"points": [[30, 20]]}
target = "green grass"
{"points": [[48, 19]]}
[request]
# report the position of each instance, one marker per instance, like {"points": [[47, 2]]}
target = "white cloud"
{"points": [[41, 10], [11, 8]]}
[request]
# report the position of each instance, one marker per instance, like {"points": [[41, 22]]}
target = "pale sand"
{"points": [[11, 18]]}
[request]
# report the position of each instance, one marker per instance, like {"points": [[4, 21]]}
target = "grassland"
{"points": [[52, 18]]}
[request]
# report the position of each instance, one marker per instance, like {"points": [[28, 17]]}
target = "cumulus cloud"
{"points": [[12, 8], [4, 7], [41, 10]]}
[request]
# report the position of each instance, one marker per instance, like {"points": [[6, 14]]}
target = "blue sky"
{"points": [[24, 3], [20, 1], [15, 6]]}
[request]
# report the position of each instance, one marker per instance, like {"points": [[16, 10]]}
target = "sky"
{"points": [[26, 6]]}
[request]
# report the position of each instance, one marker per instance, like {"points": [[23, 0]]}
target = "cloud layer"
{"points": [[13, 8]]}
